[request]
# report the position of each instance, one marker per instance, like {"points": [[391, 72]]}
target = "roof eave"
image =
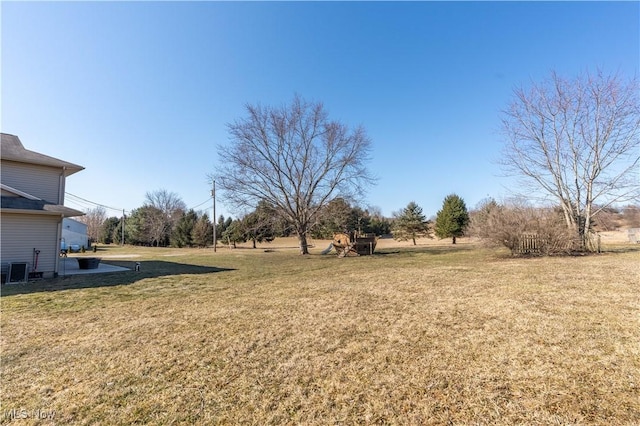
{"points": [[64, 212]]}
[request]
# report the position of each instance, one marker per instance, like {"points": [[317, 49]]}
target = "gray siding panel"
{"points": [[21, 234], [40, 181]]}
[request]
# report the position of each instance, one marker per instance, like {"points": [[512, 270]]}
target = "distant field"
{"points": [[432, 334]]}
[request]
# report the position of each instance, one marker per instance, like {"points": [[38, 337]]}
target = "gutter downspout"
{"points": [[56, 252], [61, 187]]}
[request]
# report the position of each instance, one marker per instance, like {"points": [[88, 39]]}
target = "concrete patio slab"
{"points": [[69, 266]]}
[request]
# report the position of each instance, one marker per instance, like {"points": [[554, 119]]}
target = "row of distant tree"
{"points": [[164, 221]]}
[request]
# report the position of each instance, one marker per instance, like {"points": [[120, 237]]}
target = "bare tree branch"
{"points": [[94, 218], [163, 210], [578, 141], [295, 159]]}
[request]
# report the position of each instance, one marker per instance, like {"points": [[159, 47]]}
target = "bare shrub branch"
{"points": [[511, 224]]}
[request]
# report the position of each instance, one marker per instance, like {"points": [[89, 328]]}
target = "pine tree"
{"points": [[259, 225], [410, 223], [453, 219], [222, 225], [235, 233], [333, 218], [202, 233], [107, 230], [182, 235]]}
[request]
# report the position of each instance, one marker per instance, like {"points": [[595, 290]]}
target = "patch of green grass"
{"points": [[427, 335]]}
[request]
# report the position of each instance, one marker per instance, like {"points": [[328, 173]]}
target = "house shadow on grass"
{"points": [[148, 269]]}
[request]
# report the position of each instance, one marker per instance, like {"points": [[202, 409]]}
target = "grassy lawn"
{"points": [[435, 334]]}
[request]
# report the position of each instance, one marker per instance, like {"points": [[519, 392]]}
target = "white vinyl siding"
{"points": [[74, 232], [21, 234], [40, 181]]}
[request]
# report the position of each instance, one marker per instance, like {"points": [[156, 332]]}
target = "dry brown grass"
{"points": [[429, 335]]}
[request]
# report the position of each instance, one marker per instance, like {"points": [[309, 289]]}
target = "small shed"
{"points": [[74, 235]]}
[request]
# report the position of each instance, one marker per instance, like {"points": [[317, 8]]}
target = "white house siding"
{"points": [[74, 232], [40, 181], [22, 233]]}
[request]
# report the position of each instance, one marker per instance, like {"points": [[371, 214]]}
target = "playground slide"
{"points": [[328, 249]]}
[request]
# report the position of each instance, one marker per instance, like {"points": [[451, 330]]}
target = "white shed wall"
{"points": [[74, 232]]}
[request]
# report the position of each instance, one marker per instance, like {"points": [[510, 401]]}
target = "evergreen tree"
{"points": [[234, 233], [339, 216], [182, 234], [146, 226], [222, 225], [359, 221], [136, 229], [227, 222], [107, 230], [410, 224], [333, 218], [259, 225], [116, 233], [202, 233], [453, 219], [379, 225]]}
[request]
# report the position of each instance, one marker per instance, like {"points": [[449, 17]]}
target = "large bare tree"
{"points": [[295, 159], [94, 218], [576, 140], [163, 210]]}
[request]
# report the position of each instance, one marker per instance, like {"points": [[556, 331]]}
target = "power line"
{"points": [[204, 202], [83, 202], [76, 204], [93, 203]]}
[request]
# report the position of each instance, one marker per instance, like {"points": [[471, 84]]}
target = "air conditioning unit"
{"points": [[18, 272]]}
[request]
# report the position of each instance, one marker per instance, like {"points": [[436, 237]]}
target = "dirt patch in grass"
{"points": [[426, 335]]}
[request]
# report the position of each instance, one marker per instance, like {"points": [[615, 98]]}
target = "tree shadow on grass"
{"points": [[622, 249], [148, 269], [431, 249]]}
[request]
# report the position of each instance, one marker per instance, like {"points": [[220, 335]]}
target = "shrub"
{"points": [[522, 229]]}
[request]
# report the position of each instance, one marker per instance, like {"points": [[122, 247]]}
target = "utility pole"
{"points": [[213, 195], [123, 227]]}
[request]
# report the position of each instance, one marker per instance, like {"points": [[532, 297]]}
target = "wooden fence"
{"points": [[536, 244], [530, 244]]}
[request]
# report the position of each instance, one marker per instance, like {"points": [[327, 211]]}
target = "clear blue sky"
{"points": [[139, 93]]}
